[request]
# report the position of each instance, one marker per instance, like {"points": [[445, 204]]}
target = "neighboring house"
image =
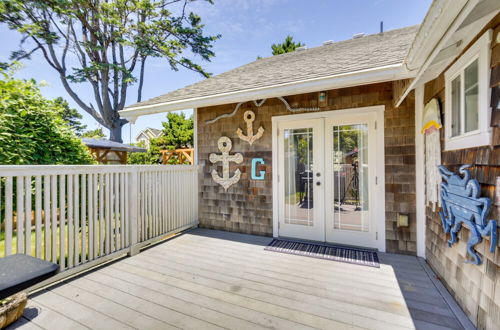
{"points": [[147, 134], [110, 152], [332, 149]]}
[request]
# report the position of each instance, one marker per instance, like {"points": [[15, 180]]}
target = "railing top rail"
{"points": [[167, 167], [22, 170]]}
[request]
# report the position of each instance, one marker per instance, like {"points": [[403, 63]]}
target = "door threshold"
{"points": [[347, 246]]}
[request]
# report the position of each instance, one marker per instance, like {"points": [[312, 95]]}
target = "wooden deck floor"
{"points": [[210, 280]]}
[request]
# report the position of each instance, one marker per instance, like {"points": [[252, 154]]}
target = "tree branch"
{"points": [[74, 96], [25, 55], [115, 72], [123, 89], [93, 81], [141, 79], [44, 51], [65, 50]]}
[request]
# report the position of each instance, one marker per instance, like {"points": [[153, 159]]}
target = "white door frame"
{"points": [[420, 171], [380, 163]]}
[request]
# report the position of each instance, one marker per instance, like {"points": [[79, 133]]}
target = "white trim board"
{"points": [[195, 135], [348, 79], [420, 171], [380, 164]]}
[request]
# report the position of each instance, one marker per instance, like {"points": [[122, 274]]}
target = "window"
{"points": [[467, 109]]}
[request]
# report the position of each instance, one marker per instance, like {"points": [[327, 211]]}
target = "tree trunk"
{"points": [[115, 133]]}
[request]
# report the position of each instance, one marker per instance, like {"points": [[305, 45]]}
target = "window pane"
{"points": [[350, 177], [299, 176], [455, 106], [471, 97]]}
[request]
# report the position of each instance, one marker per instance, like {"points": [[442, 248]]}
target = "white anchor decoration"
{"points": [[225, 145], [249, 118]]}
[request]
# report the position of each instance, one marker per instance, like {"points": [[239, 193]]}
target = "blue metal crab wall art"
{"points": [[461, 204]]}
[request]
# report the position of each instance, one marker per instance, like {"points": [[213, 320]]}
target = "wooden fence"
{"points": [[80, 216], [180, 156]]}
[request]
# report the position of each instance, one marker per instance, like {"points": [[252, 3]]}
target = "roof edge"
{"points": [[349, 79], [429, 51], [439, 17]]}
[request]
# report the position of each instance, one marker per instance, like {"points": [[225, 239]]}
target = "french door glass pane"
{"points": [[298, 176], [455, 106], [471, 97], [350, 177]]}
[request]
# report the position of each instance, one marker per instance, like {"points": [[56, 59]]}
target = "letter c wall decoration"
{"points": [[262, 174]]}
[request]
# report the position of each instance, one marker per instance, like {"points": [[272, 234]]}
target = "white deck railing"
{"points": [[80, 216]]}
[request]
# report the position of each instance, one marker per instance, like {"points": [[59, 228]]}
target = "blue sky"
{"points": [[248, 29]]}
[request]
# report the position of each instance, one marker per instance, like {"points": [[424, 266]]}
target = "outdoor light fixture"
{"points": [[322, 99], [403, 220]]}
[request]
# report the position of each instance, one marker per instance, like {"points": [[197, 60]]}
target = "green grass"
{"points": [[33, 243]]}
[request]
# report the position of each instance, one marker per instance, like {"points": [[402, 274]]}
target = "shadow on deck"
{"points": [[208, 279]]}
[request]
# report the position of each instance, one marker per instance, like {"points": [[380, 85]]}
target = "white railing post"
{"points": [[133, 209], [115, 209], [197, 175]]}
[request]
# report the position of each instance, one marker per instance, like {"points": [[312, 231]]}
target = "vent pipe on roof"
{"points": [[328, 42], [381, 26], [358, 35], [301, 48]]}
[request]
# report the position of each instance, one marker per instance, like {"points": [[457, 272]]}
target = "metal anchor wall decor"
{"points": [[461, 204], [225, 145], [249, 118]]}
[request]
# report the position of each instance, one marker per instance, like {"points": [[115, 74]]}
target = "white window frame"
{"points": [[480, 50]]}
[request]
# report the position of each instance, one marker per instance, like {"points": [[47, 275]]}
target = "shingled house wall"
{"points": [[476, 288], [247, 206]]}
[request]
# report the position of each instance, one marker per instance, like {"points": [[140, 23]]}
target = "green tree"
{"points": [[94, 134], [106, 45], [71, 116], [177, 134], [286, 46], [32, 130]]}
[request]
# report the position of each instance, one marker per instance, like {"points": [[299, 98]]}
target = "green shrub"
{"points": [[32, 130]]}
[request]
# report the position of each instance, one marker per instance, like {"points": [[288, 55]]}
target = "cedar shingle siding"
{"points": [[247, 206], [476, 288]]}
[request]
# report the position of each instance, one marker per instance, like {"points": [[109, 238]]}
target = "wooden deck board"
{"points": [[211, 279], [335, 310], [279, 267], [177, 312], [77, 312], [236, 278], [45, 318], [205, 300], [111, 308]]}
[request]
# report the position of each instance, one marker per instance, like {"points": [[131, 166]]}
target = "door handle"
{"points": [[318, 183]]}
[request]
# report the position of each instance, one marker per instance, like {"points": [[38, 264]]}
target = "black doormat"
{"points": [[323, 251]]}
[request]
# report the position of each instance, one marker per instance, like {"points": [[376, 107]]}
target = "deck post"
{"points": [[133, 219]]}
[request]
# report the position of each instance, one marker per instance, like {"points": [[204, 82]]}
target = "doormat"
{"points": [[323, 251]]}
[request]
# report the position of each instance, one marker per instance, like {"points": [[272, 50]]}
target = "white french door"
{"points": [[351, 178], [301, 164], [327, 178]]}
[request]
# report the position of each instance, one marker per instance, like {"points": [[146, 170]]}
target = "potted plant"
{"points": [[12, 308]]}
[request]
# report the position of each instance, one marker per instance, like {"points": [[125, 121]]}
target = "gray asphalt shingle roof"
{"points": [[372, 51]]}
